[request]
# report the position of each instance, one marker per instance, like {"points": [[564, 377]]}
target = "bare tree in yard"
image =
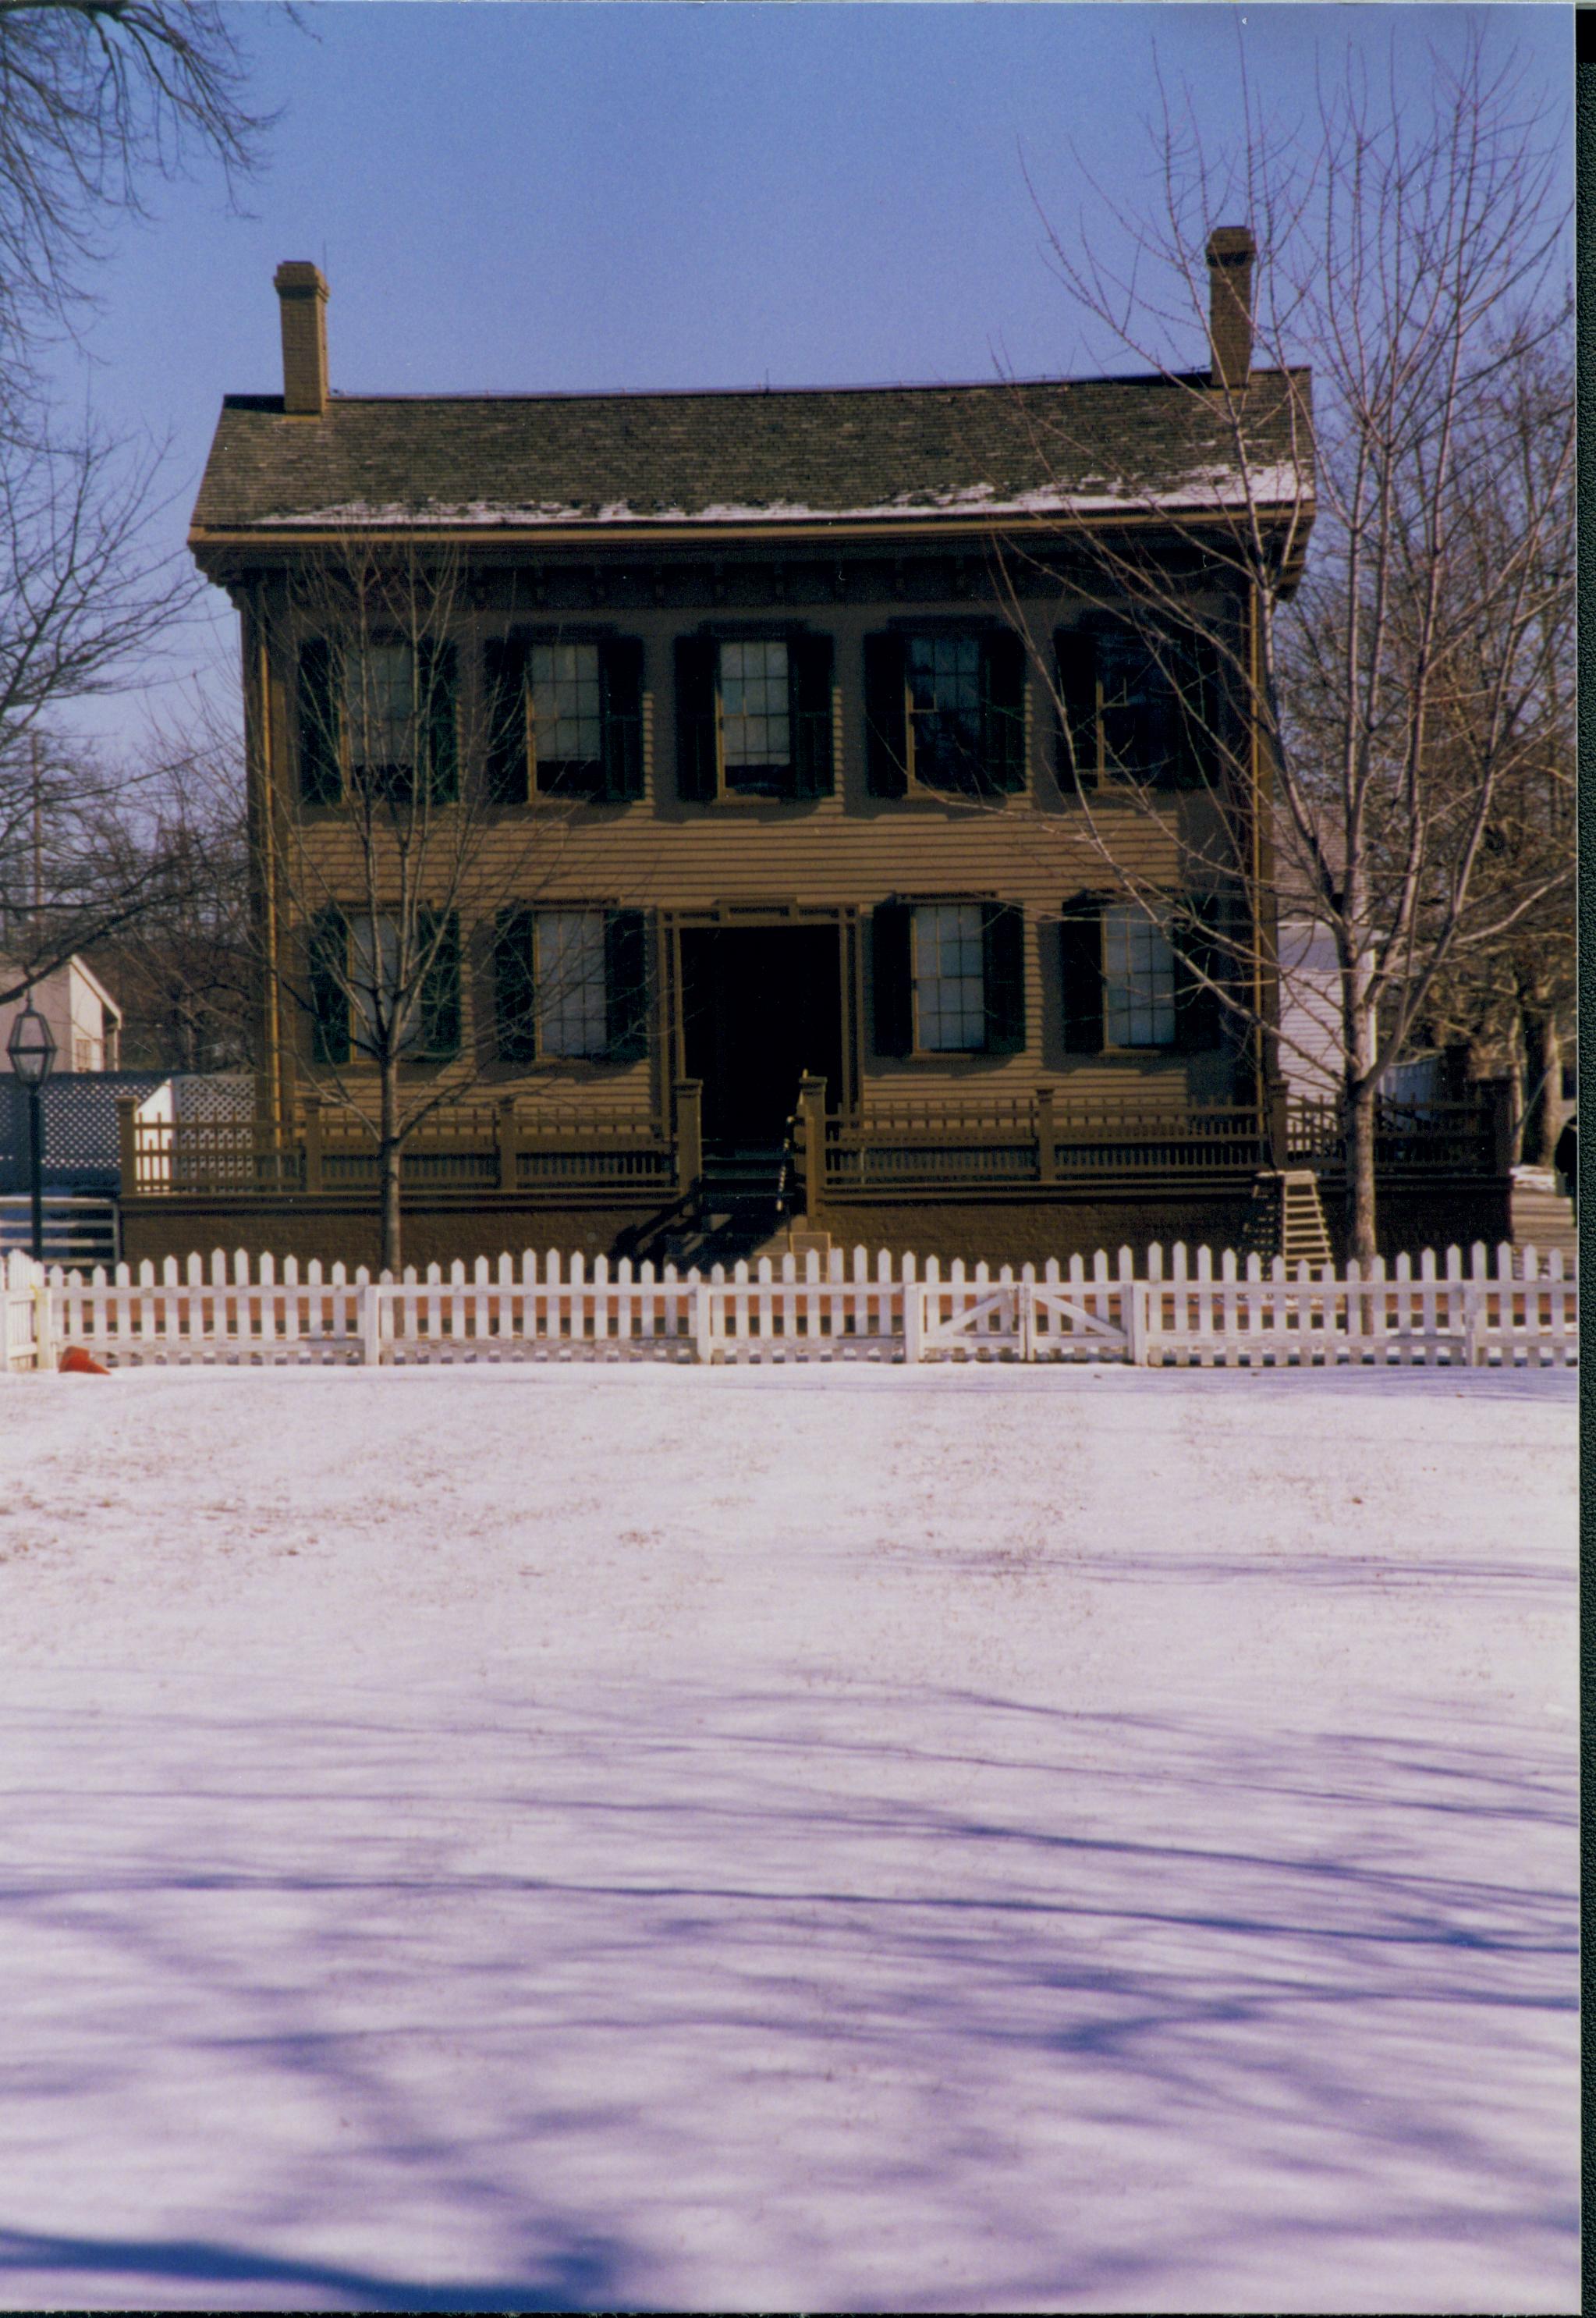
{"points": [[182, 967], [97, 97], [86, 601], [1399, 693], [397, 867], [1511, 992]]}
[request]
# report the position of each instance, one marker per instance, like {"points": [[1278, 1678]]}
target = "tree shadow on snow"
{"points": [[582, 2277], [846, 1971]]}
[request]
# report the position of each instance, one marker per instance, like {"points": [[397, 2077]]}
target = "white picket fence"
{"points": [[1521, 1312]]}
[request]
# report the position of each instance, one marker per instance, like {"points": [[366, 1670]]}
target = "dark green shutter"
{"points": [[621, 690], [808, 666], [504, 692], [328, 973], [696, 768], [437, 666], [1198, 706], [1075, 657], [514, 986], [438, 999], [1003, 712], [886, 721], [1081, 971], [626, 984], [321, 779], [1206, 942], [892, 977], [1003, 968]]}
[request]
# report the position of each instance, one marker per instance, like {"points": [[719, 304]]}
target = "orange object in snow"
{"points": [[75, 1361]]}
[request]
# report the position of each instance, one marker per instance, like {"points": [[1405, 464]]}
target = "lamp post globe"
{"points": [[32, 1047]]}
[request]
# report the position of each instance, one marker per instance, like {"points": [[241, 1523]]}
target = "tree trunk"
{"points": [[1358, 1111], [388, 1163], [1543, 1087]]}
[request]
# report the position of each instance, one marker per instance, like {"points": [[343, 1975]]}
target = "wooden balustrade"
{"points": [[1040, 1140]]}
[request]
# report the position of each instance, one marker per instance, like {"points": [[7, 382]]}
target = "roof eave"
{"points": [[283, 536]]}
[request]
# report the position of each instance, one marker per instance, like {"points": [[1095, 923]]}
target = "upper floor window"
{"points": [[1140, 704], [372, 715], [753, 716], [567, 695], [380, 710], [756, 718], [944, 710], [565, 716]]}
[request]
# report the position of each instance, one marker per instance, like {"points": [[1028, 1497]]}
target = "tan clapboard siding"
{"points": [[846, 852]]}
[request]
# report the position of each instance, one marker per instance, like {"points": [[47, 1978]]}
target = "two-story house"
{"points": [[819, 691]]}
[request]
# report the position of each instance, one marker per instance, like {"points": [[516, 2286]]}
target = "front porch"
{"points": [[1017, 1180]]}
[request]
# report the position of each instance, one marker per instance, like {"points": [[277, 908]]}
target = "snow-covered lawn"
{"points": [[796, 1838]]}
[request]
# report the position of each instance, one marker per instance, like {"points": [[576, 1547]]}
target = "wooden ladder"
{"points": [[1288, 1218]]}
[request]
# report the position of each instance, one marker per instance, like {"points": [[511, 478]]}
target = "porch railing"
{"points": [[1036, 1141], [484, 1147], [942, 1144], [1465, 1137]]}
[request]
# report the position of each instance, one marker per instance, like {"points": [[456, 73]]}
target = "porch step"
{"points": [[77, 1232]]}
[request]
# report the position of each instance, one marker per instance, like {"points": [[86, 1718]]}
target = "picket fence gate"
{"points": [[1181, 1313]]}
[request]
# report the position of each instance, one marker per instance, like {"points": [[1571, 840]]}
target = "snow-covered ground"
{"points": [[788, 1839]]}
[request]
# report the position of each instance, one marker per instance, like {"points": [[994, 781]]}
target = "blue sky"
{"points": [[520, 195]]}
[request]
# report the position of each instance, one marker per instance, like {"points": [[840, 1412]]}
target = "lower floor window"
{"points": [[949, 983], [572, 1003], [1138, 981]]}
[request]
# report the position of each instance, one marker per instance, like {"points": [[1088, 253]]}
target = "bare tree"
{"points": [[87, 596], [395, 878], [96, 97], [182, 967], [1393, 697]]}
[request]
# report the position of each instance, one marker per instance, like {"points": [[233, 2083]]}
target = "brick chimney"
{"points": [[1231, 252], [303, 296]]}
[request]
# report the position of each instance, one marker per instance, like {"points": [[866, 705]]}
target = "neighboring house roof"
{"points": [[797, 456], [60, 978]]}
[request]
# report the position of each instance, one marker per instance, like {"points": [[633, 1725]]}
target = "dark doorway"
{"points": [[760, 1006]]}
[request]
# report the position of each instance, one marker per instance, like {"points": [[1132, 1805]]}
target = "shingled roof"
{"points": [[797, 456]]}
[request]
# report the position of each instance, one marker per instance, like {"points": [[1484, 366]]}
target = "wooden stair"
{"points": [[1287, 1217]]}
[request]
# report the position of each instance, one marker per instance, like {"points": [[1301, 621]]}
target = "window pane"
{"points": [[949, 984], [375, 986], [755, 734], [565, 704], [1139, 705], [380, 704], [1138, 981], [572, 1015], [945, 709]]}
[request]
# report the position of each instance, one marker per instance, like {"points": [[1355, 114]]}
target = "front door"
{"points": [[762, 1005]]}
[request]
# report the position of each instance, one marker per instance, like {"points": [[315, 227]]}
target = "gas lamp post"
{"points": [[32, 1051]]}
